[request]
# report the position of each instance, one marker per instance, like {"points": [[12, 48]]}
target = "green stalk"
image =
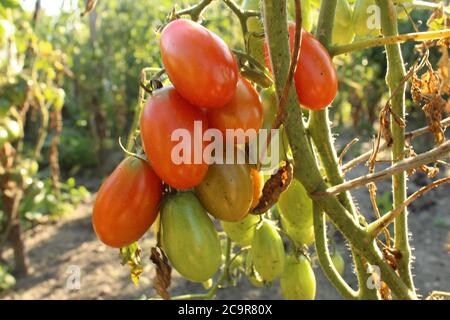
{"points": [[320, 131], [394, 76], [306, 170]]}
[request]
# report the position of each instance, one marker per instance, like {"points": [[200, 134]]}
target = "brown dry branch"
{"points": [[346, 149], [441, 152], [377, 226], [409, 136]]}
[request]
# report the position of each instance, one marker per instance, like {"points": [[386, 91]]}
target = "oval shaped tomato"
{"points": [[252, 275], [365, 20], [338, 262], [199, 64], [244, 111], [227, 191], [172, 135], [241, 232], [315, 78], [189, 237], [268, 251], [343, 32], [300, 236], [298, 281], [296, 206], [127, 203]]}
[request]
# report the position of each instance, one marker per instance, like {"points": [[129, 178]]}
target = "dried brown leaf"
{"points": [[273, 188], [162, 280], [433, 112]]}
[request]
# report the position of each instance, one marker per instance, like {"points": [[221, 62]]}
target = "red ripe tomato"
{"points": [[244, 111], [315, 78], [199, 63], [127, 203], [165, 112]]}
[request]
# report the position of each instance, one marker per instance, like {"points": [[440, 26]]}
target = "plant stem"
{"points": [[324, 257], [320, 131], [428, 5], [395, 73], [382, 41], [306, 170]]}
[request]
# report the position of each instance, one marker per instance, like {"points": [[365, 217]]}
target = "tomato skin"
{"points": [[296, 206], [165, 112], [315, 78], [300, 236], [189, 238], [298, 281], [227, 191], [241, 232], [199, 64], [258, 185], [252, 275], [268, 251], [127, 203], [244, 111]]}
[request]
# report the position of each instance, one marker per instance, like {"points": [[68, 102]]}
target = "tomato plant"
{"points": [[164, 113], [126, 203], [189, 237], [241, 232], [199, 64], [295, 206]]}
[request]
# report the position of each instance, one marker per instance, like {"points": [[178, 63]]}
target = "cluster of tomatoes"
{"points": [[207, 87]]}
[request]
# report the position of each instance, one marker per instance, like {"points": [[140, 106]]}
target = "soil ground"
{"points": [[55, 249]]}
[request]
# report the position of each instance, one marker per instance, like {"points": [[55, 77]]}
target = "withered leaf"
{"points": [[433, 112], [273, 188], [162, 279], [131, 255]]}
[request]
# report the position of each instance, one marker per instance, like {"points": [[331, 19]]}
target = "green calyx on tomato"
{"points": [[227, 191], [241, 232], [189, 238], [127, 203], [198, 63], [298, 281], [165, 113], [268, 251]]}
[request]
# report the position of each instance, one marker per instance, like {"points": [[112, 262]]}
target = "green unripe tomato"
{"points": [[366, 19], [300, 236], [343, 32], [338, 262], [241, 232], [189, 237], [296, 206], [252, 275], [298, 281], [268, 251]]}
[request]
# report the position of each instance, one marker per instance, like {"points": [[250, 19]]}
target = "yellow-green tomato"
{"points": [[227, 191], [253, 276], [343, 32], [268, 251], [300, 236], [241, 232], [189, 237], [296, 206], [338, 262], [366, 19], [298, 281]]}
